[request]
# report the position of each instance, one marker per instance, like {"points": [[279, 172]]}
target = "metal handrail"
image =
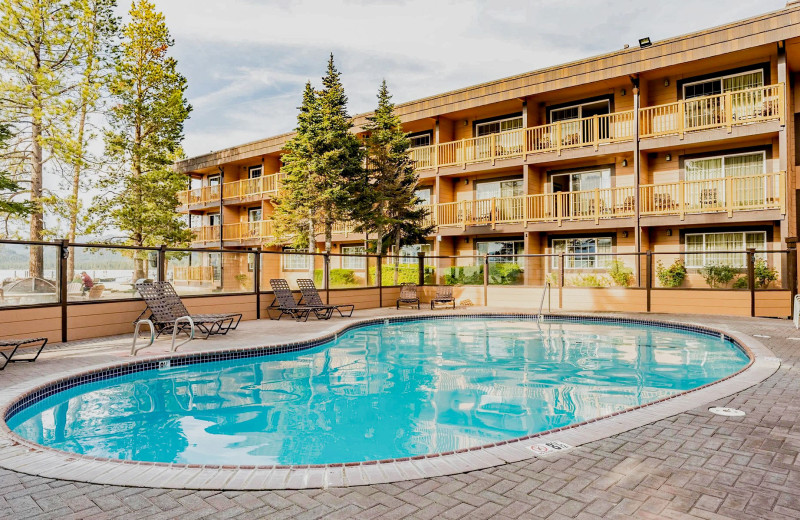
{"points": [[546, 290]]}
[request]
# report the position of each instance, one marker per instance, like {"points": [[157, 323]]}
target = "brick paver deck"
{"points": [[692, 465]]}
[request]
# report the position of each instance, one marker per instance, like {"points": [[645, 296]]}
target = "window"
{"points": [[710, 190], [708, 243], [213, 180], [586, 247], [730, 83], [409, 254], [739, 165], [353, 262], [295, 262], [213, 219], [424, 196], [501, 125], [580, 110], [420, 140], [497, 248], [254, 172], [254, 214], [581, 181], [498, 188]]}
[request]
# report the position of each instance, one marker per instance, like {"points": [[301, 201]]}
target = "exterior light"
{"points": [[624, 162], [466, 181], [668, 158], [623, 92], [645, 42], [666, 82], [624, 234], [669, 232], [466, 240]]}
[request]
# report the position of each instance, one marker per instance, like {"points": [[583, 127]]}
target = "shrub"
{"points": [[620, 273], [764, 274], [717, 275], [405, 274], [338, 278], [740, 283], [590, 280], [243, 279], [672, 276], [505, 273]]}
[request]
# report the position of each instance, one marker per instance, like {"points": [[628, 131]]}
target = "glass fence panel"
{"points": [[28, 274], [714, 270], [101, 273], [352, 271], [596, 270], [205, 272], [291, 267], [397, 270], [461, 270]]}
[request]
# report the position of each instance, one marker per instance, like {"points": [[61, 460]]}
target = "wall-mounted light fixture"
{"points": [[466, 122], [623, 92], [624, 234], [624, 162], [645, 42], [669, 232], [466, 240], [668, 157], [666, 82], [466, 181]]}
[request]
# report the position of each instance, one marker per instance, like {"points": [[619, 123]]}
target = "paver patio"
{"points": [[692, 465]]}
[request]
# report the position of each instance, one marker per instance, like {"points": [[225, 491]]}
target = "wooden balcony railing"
{"points": [[259, 187], [551, 207], [206, 234], [576, 133], [719, 111], [727, 194], [193, 273]]}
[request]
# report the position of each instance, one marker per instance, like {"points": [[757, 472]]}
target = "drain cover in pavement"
{"points": [[727, 412]]}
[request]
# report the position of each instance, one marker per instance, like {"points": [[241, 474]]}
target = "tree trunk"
{"points": [[74, 205], [328, 237], [312, 245], [36, 263], [397, 258]]}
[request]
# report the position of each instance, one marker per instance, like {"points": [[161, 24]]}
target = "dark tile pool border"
{"points": [[442, 463]]}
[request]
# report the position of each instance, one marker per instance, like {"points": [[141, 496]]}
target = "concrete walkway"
{"points": [[692, 465]]}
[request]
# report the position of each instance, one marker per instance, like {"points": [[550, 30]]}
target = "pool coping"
{"points": [[24, 456]]}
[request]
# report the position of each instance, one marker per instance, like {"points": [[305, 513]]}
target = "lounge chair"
{"points": [[166, 308], [408, 295], [10, 347], [312, 298], [284, 302], [444, 294]]}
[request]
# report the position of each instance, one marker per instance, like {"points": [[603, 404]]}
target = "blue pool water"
{"points": [[381, 391]]}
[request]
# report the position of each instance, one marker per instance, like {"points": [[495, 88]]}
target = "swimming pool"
{"points": [[380, 391]]}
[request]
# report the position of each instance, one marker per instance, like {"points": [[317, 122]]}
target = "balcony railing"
{"points": [[193, 273], [551, 207], [727, 194], [555, 137], [719, 111], [257, 188]]}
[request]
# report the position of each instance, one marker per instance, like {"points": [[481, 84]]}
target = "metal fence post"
{"points": [[421, 268], [560, 280], [326, 276], [751, 279], [257, 280], [162, 263], [486, 280], [648, 281], [62, 286], [379, 279], [791, 267]]}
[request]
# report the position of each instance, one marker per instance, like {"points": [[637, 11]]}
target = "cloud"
{"points": [[247, 60]]}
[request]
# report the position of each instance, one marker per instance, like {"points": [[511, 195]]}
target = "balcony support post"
{"points": [[728, 100], [682, 199], [681, 115], [558, 138], [493, 148], [596, 206], [729, 195], [595, 132], [493, 214], [791, 265]]}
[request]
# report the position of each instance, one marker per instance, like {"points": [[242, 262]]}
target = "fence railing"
{"points": [[257, 188]]}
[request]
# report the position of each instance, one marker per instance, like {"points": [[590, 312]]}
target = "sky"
{"points": [[247, 61]]}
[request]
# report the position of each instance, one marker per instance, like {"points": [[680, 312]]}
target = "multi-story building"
{"points": [[681, 144]]}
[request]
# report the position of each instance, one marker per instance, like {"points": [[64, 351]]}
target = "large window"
{"points": [[498, 188], [709, 187], [424, 196], [581, 181], [500, 125], [254, 215], [213, 180], [295, 262], [721, 84], [213, 219], [419, 140], [708, 243], [353, 262], [410, 253], [738, 165], [254, 172], [587, 248], [580, 110], [496, 249]]}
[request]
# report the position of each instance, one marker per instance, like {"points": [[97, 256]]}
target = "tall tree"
{"points": [[98, 25], [38, 46], [9, 187], [149, 110], [389, 206], [323, 162]]}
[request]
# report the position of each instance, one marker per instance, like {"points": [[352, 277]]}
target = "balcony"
{"points": [[555, 137], [723, 195], [726, 110], [245, 189]]}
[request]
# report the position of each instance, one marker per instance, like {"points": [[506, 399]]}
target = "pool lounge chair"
{"points": [[166, 308], [312, 298], [408, 295], [284, 302], [444, 295], [10, 348]]}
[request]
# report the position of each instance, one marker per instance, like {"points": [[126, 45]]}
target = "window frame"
{"points": [[498, 181], [285, 267], [250, 213], [589, 258], [688, 262], [720, 79], [763, 154], [503, 258], [216, 177], [579, 105], [251, 169], [359, 263]]}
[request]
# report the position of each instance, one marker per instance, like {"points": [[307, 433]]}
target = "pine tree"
{"points": [[390, 207], [38, 46], [9, 187], [147, 129]]}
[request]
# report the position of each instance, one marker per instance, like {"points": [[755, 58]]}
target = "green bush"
{"points": [[589, 280], [672, 276], [764, 274], [718, 275], [339, 278], [405, 274], [740, 283], [505, 273], [620, 273]]}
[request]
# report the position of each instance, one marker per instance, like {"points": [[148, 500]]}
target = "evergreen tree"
{"points": [[323, 163], [39, 42], [147, 128], [9, 187], [390, 207]]}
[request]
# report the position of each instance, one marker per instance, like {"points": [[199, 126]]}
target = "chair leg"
{"points": [[8, 358]]}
